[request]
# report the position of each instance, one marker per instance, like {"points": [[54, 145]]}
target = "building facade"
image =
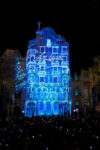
{"points": [[48, 79], [82, 90]]}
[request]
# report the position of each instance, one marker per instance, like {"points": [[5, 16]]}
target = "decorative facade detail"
{"points": [[48, 79]]}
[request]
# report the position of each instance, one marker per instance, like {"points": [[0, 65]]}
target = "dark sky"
{"points": [[77, 21]]}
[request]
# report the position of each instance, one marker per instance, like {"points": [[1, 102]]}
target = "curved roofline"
{"points": [[48, 28]]}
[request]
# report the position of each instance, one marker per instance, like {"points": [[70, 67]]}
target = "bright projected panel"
{"points": [[48, 87]]}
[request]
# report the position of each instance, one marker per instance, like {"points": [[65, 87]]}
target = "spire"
{"points": [[39, 23]]}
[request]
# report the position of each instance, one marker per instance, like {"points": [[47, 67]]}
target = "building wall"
{"points": [[7, 81], [84, 83], [47, 75]]}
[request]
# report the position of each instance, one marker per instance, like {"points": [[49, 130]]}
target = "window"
{"points": [[56, 108], [63, 70], [32, 89], [41, 79], [42, 68], [60, 69], [76, 92], [75, 76], [64, 95], [64, 49], [52, 89], [42, 49], [44, 89], [64, 58], [76, 103], [55, 63], [65, 82], [58, 89], [52, 95], [55, 79], [55, 49], [38, 95], [49, 108], [65, 90], [85, 75], [55, 68], [41, 106], [46, 79], [32, 58], [38, 90]]}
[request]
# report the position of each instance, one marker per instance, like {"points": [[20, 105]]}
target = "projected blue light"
{"points": [[48, 80], [48, 43], [19, 76]]}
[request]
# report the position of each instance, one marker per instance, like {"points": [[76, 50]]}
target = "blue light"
{"points": [[48, 43], [19, 76], [48, 79]]}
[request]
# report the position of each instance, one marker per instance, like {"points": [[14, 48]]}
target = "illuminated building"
{"points": [[48, 81]]}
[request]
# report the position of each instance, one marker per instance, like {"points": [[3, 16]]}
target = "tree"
{"points": [[19, 76]]}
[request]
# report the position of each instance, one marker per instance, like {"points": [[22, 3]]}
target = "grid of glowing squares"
{"points": [[61, 62], [55, 49], [47, 96], [53, 78], [58, 96], [64, 58], [49, 106], [43, 107]]}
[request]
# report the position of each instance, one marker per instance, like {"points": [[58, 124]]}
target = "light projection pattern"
{"points": [[48, 80], [19, 76]]}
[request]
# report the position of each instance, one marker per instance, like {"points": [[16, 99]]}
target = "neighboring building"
{"points": [[48, 81], [82, 90], [86, 89], [76, 91], [8, 101], [96, 81]]}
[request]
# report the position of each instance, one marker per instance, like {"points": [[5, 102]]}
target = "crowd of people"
{"points": [[52, 133]]}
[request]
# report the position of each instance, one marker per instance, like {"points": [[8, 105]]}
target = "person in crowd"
{"points": [[53, 133]]}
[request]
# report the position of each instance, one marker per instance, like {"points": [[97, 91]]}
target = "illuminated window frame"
{"points": [[55, 77], [53, 69], [44, 47], [46, 80], [63, 52], [64, 57], [40, 79], [32, 56], [54, 47]]}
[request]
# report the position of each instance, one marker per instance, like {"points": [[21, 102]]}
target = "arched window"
{"points": [[32, 58]]}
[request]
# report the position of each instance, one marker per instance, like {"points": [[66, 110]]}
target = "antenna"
{"points": [[39, 23]]}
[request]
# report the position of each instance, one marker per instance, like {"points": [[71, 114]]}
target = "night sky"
{"points": [[77, 21]]}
